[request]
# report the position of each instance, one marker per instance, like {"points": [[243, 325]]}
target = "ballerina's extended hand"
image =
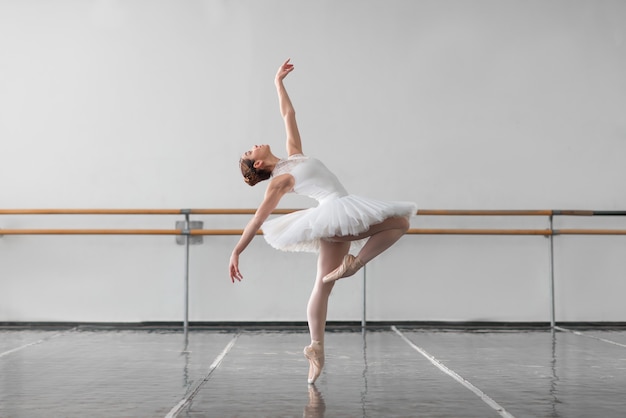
{"points": [[283, 70]]}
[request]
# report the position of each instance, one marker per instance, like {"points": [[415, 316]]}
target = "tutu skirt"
{"points": [[339, 216]]}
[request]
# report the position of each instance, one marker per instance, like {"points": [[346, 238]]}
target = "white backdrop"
{"points": [[482, 104]]}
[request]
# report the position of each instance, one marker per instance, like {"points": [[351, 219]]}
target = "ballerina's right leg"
{"points": [[331, 254]]}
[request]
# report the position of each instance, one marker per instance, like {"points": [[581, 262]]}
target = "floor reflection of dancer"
{"points": [[316, 408], [328, 229]]}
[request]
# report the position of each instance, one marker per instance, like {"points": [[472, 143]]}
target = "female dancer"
{"points": [[327, 229]]}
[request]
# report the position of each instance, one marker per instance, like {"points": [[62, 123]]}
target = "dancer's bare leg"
{"points": [[381, 236], [330, 254]]}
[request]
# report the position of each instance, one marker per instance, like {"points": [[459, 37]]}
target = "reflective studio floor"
{"points": [[382, 372]]}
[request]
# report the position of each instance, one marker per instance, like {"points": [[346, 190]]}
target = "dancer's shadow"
{"points": [[316, 407]]}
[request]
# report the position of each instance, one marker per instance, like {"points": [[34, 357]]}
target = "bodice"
{"points": [[312, 177]]}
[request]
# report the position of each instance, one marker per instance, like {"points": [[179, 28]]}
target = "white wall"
{"points": [[459, 104]]}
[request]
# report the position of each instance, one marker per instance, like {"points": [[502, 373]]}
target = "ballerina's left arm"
{"points": [[277, 188], [294, 143]]}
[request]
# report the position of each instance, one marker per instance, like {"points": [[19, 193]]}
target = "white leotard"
{"points": [[338, 213]]}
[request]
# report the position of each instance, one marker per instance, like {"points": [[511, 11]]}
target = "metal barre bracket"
{"points": [[186, 228]]}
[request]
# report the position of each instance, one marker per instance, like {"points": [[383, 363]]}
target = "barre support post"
{"points": [[186, 286], [552, 297], [364, 296]]}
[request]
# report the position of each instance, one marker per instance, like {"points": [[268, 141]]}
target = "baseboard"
{"points": [[299, 326]]}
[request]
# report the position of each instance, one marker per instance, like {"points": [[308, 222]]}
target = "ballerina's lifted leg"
{"points": [[381, 236]]}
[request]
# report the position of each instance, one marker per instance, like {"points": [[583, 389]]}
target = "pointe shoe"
{"points": [[348, 267], [315, 354]]}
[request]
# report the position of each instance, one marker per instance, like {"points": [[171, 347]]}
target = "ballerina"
{"points": [[327, 229]]}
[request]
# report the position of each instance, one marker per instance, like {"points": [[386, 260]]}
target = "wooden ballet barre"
{"points": [[245, 211], [138, 211], [487, 212], [240, 231], [609, 212], [91, 232], [423, 212], [122, 232], [414, 231], [589, 232], [467, 231], [219, 232], [91, 212], [238, 211], [201, 232], [574, 212], [225, 232]]}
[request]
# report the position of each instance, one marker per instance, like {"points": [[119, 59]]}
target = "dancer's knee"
{"points": [[402, 224], [407, 224]]}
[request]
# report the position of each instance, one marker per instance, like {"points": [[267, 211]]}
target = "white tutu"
{"points": [[340, 216]]}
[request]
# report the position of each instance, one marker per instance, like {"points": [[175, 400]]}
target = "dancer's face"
{"points": [[257, 152]]}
